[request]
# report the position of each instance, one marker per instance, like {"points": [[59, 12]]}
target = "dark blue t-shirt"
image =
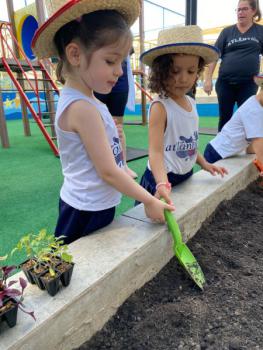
{"points": [[240, 53], [122, 84]]}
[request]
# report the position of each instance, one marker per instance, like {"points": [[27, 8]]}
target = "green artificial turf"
{"points": [[31, 179]]}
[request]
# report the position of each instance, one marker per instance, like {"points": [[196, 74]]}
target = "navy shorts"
{"points": [[210, 154], [148, 181], [73, 223], [115, 101]]}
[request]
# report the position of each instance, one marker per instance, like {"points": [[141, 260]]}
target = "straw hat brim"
{"points": [[259, 80], [207, 52], [43, 43]]}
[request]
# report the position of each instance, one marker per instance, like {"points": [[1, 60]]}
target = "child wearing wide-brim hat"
{"points": [[61, 12], [244, 131], [175, 65], [91, 38], [181, 40]]}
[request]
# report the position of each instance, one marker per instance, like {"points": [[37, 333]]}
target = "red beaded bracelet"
{"points": [[258, 164], [166, 184]]}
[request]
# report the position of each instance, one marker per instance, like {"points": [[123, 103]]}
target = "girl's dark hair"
{"points": [[254, 4], [93, 31], [161, 71]]}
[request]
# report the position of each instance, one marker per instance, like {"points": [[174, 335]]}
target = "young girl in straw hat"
{"points": [[91, 38], [243, 131], [175, 66]]}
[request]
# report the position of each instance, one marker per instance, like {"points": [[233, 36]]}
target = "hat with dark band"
{"points": [[182, 40], [62, 12]]}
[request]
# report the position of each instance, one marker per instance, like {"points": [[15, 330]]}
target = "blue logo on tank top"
{"points": [[117, 152], [185, 148]]}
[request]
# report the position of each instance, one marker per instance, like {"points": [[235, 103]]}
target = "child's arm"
{"points": [[85, 120], [211, 168], [157, 125]]}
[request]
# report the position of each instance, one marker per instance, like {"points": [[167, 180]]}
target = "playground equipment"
{"points": [[25, 77], [31, 79], [26, 24]]}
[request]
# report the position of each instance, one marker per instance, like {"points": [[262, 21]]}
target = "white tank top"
{"points": [[82, 188], [180, 136]]}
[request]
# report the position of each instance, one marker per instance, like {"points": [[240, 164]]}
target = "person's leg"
{"points": [[68, 223], [94, 220], [148, 183], [226, 101], [246, 90], [210, 154], [73, 223], [176, 179]]}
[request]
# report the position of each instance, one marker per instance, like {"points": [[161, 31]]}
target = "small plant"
{"points": [[49, 257], [50, 250], [57, 251], [8, 291], [26, 243]]}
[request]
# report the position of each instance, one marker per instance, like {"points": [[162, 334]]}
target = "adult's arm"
{"points": [[208, 84]]}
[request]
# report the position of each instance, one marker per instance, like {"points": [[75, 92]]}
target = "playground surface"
{"points": [[170, 313]]}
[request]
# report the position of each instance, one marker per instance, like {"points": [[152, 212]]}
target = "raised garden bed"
{"points": [[169, 312]]}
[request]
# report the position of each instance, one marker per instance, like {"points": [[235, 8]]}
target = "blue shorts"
{"points": [[210, 154], [148, 181], [73, 223]]}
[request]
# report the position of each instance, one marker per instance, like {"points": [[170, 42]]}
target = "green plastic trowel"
{"points": [[183, 253]]}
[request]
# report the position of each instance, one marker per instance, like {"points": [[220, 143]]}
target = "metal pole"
{"points": [[191, 12]]}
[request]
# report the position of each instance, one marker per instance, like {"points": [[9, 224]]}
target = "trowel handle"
{"points": [[172, 226]]}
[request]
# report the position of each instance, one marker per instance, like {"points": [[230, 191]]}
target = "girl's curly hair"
{"points": [[161, 71]]}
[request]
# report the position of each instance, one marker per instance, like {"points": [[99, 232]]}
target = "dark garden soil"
{"points": [[171, 313]]}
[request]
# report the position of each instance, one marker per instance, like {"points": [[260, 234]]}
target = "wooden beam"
{"points": [[40, 11], [3, 128], [11, 16], [142, 37]]}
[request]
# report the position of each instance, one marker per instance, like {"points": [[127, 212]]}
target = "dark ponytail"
{"points": [[59, 72]]}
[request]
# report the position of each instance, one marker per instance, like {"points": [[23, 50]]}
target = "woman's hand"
{"points": [[208, 86]]}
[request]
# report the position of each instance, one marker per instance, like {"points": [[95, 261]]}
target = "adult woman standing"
{"points": [[240, 46]]}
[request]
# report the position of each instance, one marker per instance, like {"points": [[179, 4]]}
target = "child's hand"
{"points": [[164, 191], [213, 169], [155, 209]]}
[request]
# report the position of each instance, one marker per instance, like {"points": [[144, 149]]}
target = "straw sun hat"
{"points": [[61, 12], [184, 40], [259, 80]]}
